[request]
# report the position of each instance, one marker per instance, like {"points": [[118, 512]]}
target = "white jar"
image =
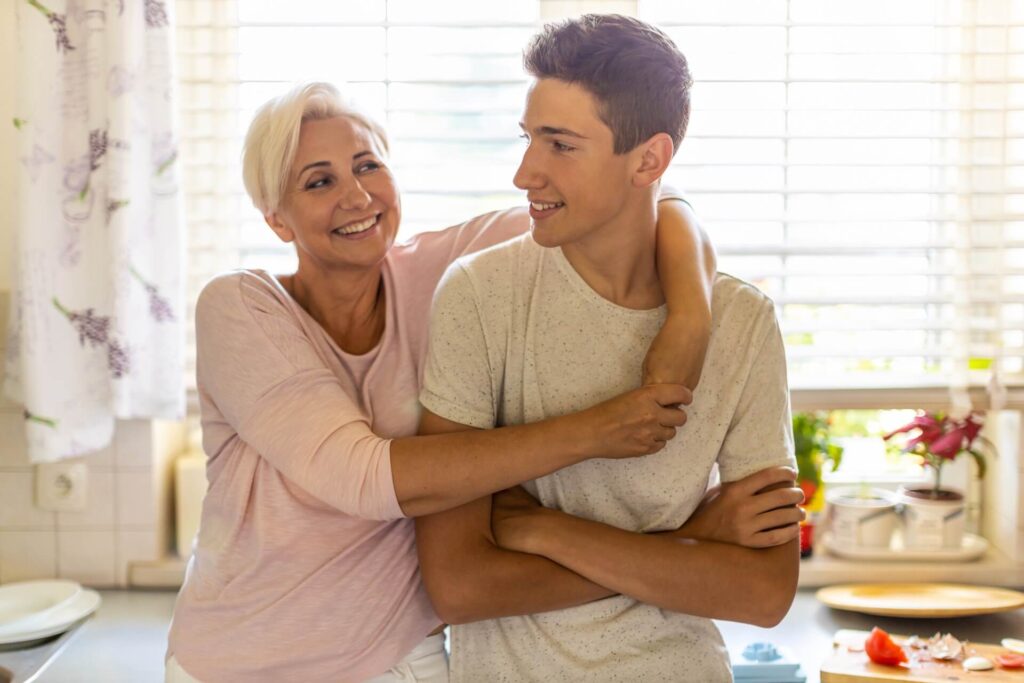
{"points": [[861, 518], [932, 523]]}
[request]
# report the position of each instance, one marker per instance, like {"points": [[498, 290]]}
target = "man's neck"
{"points": [[619, 259]]}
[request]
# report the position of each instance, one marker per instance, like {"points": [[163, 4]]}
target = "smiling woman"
{"points": [[308, 387]]}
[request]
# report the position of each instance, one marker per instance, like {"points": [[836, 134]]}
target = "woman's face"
{"points": [[341, 206]]}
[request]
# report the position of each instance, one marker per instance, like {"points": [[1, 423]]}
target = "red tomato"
{"points": [[1010, 661], [882, 650]]}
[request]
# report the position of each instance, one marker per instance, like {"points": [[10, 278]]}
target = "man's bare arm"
{"points": [[469, 578], [678, 574]]}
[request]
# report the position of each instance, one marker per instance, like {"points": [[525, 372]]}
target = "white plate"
{"points": [[28, 602], [971, 548], [59, 620]]}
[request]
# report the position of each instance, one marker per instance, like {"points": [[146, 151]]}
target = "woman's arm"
{"points": [[687, 267], [269, 387], [442, 471]]}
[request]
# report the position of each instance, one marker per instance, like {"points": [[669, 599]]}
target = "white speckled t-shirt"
{"points": [[517, 336]]}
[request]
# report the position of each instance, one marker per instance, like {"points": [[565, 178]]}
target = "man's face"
{"points": [[576, 184]]}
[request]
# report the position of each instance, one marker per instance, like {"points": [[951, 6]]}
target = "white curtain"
{"points": [[96, 328]]}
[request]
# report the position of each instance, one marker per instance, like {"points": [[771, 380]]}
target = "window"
{"points": [[863, 163], [444, 76]]}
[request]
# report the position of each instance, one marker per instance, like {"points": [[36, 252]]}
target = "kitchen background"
{"points": [[743, 151]]}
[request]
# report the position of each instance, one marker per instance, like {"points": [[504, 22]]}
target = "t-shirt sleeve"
{"points": [[761, 432], [457, 383], [265, 376]]}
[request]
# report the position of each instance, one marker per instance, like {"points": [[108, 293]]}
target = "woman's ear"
{"points": [[284, 233], [652, 159]]}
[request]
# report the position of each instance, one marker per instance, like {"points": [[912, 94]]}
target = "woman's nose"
{"points": [[353, 196]]}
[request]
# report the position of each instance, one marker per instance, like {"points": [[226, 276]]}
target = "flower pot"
{"points": [[932, 522], [861, 518]]}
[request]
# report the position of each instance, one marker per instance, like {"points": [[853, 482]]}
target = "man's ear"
{"points": [[284, 233], [653, 157]]}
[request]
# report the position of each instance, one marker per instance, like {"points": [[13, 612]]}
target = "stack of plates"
{"points": [[33, 610]]}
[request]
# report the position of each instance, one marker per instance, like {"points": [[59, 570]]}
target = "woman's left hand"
{"points": [[514, 514]]}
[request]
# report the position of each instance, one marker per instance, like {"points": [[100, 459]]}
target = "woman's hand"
{"points": [[759, 511], [678, 350], [636, 423], [514, 513]]}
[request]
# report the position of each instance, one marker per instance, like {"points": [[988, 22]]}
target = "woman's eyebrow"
{"points": [[315, 164]]}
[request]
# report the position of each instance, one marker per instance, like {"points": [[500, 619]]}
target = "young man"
{"points": [[596, 583]]}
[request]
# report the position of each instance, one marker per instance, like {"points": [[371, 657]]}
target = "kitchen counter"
{"points": [[125, 640]]}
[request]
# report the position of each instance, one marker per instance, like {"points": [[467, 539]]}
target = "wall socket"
{"points": [[62, 486]]}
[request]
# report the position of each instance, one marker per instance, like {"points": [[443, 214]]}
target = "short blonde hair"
{"points": [[273, 138]]}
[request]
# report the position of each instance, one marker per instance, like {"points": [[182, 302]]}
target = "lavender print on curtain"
{"points": [[96, 325]]}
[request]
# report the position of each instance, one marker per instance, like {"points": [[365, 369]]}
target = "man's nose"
{"points": [[527, 176]]}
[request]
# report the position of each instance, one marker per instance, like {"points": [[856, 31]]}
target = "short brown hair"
{"points": [[638, 75]]}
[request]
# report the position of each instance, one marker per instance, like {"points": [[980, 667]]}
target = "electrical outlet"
{"points": [[62, 486]]}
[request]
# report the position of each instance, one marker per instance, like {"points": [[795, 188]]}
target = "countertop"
{"points": [[125, 640]]}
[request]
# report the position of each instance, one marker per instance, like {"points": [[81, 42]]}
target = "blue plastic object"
{"points": [[763, 662]]}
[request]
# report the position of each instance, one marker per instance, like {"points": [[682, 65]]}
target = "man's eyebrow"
{"points": [[552, 130], [318, 164]]}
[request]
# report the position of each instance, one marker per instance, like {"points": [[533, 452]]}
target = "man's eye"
{"points": [[524, 137], [562, 147]]}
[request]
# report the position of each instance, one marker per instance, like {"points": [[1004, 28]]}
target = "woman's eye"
{"points": [[317, 183], [368, 166]]}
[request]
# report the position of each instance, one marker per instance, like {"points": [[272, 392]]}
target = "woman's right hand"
{"points": [[636, 423]]}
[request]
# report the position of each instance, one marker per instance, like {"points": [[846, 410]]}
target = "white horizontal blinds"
{"points": [[207, 60], [444, 76], [863, 163]]}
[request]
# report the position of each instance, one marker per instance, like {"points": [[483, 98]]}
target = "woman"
{"points": [[305, 564]]}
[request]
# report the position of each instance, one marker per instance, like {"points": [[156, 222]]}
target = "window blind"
{"points": [[445, 77], [863, 163]]}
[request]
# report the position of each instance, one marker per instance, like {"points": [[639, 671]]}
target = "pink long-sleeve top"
{"points": [[305, 568]]}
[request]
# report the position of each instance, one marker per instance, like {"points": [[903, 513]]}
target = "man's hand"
{"points": [[677, 353], [513, 513], [759, 511]]}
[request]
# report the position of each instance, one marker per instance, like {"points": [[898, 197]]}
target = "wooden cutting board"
{"points": [[853, 666]]}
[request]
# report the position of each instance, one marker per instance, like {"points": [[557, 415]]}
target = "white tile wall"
{"points": [[100, 498], [17, 505], [27, 555], [13, 447], [87, 557], [135, 546], [135, 501]]}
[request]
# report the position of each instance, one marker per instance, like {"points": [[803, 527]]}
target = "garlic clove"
{"points": [[977, 664]]}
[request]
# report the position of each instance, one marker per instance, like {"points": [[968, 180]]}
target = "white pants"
{"points": [[427, 663]]}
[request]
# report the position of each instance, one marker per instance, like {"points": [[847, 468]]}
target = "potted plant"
{"points": [[934, 515], [814, 451]]}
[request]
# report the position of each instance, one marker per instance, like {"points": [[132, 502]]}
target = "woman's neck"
{"points": [[349, 305]]}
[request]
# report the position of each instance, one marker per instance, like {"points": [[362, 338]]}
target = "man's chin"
{"points": [[545, 236]]}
